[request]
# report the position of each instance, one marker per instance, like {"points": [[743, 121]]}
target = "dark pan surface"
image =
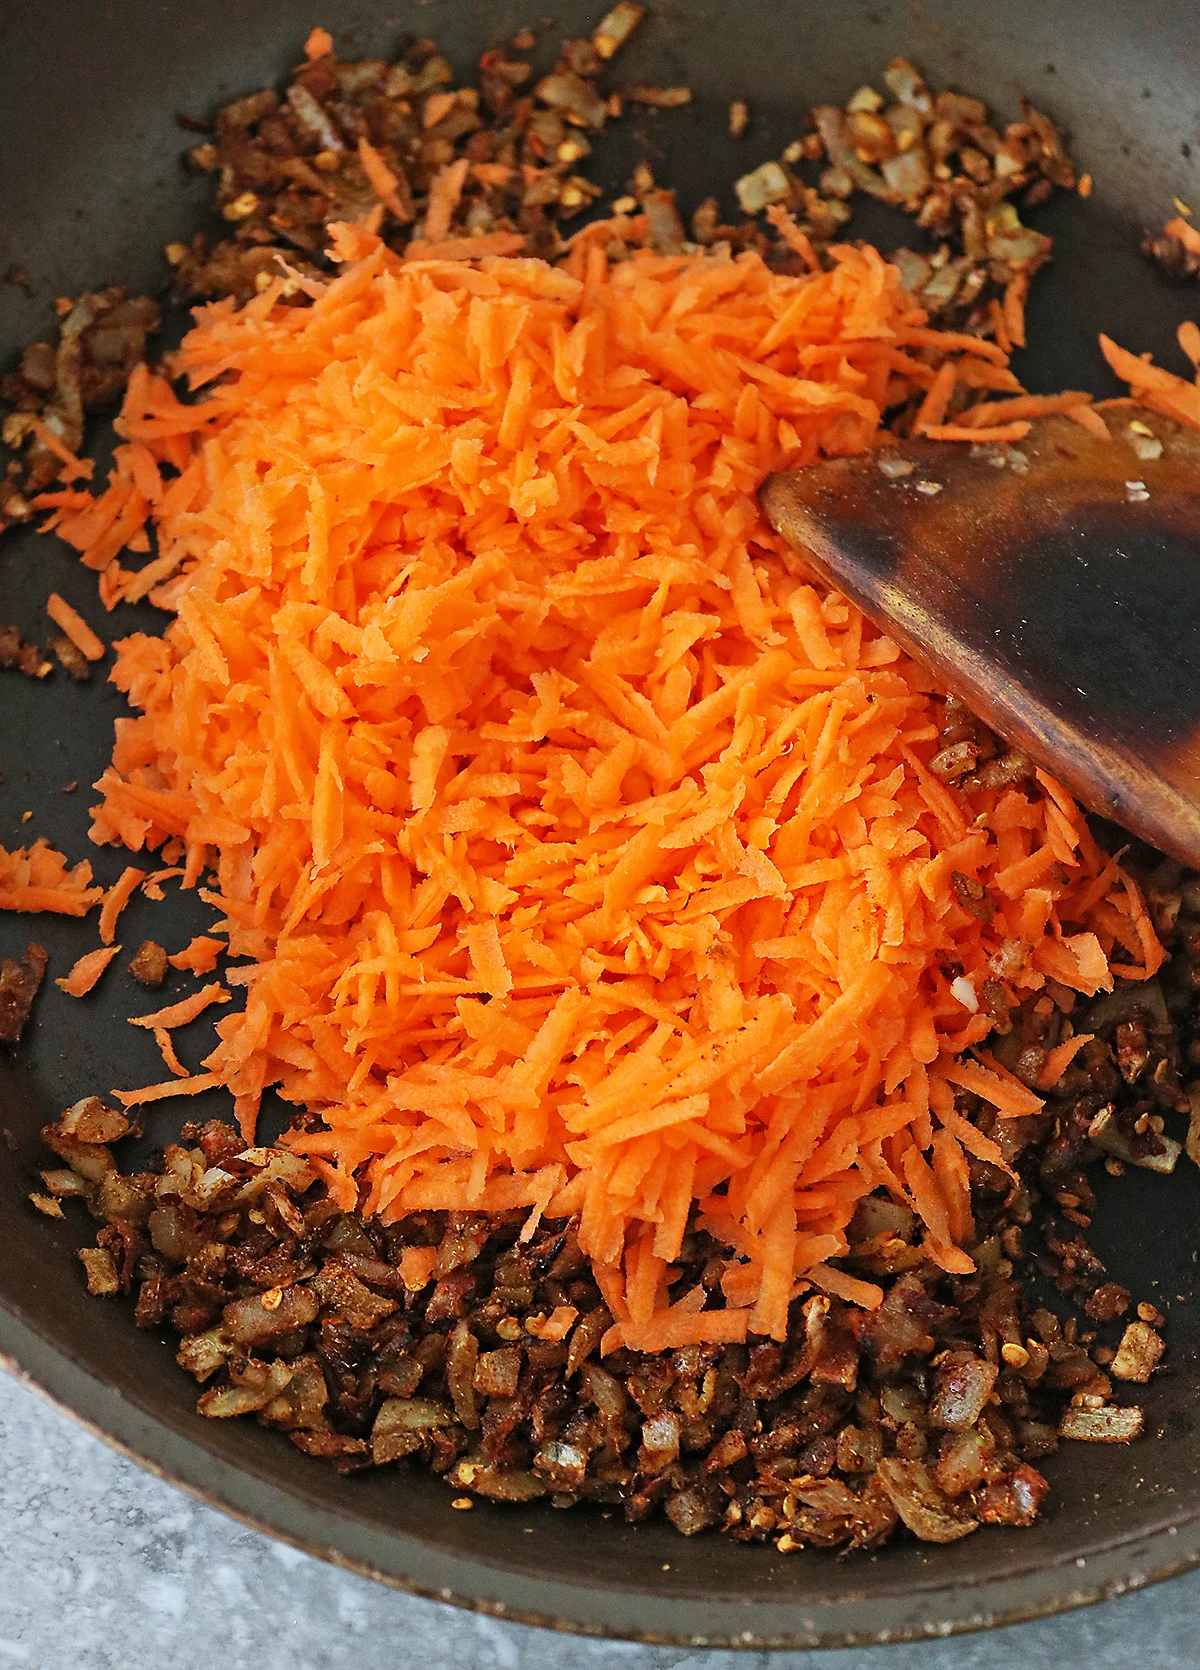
{"points": [[90, 191]]}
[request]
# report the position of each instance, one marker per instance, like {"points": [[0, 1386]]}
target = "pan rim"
{"points": [[1114, 1566], [1035, 1586]]}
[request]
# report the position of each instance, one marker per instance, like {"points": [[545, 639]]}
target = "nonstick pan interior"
{"points": [[89, 91]]}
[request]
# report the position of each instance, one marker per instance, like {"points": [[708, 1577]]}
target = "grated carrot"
{"points": [[937, 398], [416, 1267], [75, 627], [999, 326], [383, 182], [582, 842], [199, 956], [965, 432], [971, 1139], [163, 1092], [1060, 1058], [152, 887], [1013, 305], [39, 879], [75, 468], [785, 225], [1089, 418], [115, 900], [444, 193], [1161, 390], [87, 971], [844, 1286], [318, 44], [465, 249], [1024, 406], [173, 1064], [187, 1009], [1006, 1093], [555, 1327]]}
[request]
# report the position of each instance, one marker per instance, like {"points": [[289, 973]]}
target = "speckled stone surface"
{"points": [[104, 1568]]}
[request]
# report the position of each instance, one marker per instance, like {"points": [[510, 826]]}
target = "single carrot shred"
{"points": [[465, 249], [999, 326], [86, 971], [416, 1267], [152, 887], [1024, 406], [583, 844], [383, 182], [115, 900], [1013, 305], [75, 627], [163, 1092], [187, 1009], [1060, 1058], [842, 1285], [1089, 418], [167, 1047], [444, 193], [199, 956], [318, 45], [965, 432], [937, 398], [555, 1327]]}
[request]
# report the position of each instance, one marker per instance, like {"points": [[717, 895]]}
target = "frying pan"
{"points": [[91, 189]]}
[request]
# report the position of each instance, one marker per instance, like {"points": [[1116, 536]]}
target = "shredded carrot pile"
{"points": [[584, 843], [41, 879]]}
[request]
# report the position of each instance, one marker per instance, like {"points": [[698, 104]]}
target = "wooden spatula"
{"points": [[1053, 584]]}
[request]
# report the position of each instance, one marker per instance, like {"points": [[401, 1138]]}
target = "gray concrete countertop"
{"points": [[104, 1568]]}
